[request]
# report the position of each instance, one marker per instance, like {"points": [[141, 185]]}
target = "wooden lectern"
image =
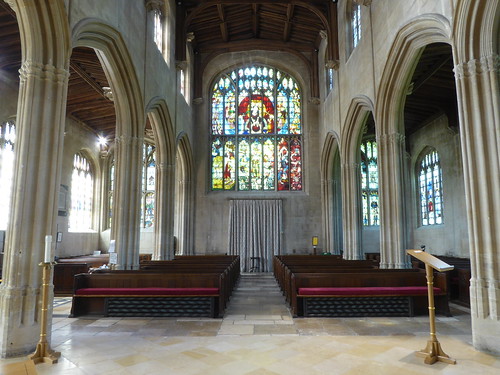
{"points": [[432, 352]]}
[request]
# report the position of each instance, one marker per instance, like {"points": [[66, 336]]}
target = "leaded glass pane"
{"points": [[250, 107], [430, 186], [82, 191], [369, 184], [148, 186]]}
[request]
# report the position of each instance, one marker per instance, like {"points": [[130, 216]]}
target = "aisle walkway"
{"points": [[257, 336]]}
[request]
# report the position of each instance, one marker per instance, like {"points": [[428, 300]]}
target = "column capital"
{"points": [[366, 3], [395, 137], [42, 72], [351, 166], [473, 67], [127, 140]]}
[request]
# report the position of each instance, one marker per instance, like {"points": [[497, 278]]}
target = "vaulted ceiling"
{"points": [[218, 26]]}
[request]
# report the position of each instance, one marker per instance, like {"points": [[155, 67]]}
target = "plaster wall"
{"points": [[451, 237], [301, 210]]}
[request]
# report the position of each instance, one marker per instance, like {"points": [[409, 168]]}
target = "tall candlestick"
{"points": [[48, 249]]}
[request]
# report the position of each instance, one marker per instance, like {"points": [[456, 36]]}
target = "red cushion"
{"points": [[367, 291], [148, 291]]}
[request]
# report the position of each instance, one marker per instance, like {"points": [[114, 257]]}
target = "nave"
{"points": [[258, 335]]}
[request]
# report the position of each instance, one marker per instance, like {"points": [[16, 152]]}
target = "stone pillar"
{"points": [[328, 220], [164, 212], [127, 200], [351, 210], [391, 162], [479, 110], [38, 155]]}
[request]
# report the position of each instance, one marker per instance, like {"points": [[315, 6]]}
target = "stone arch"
{"points": [[117, 63], [330, 194], [184, 196], [118, 66], [358, 111], [161, 123], [400, 65]]}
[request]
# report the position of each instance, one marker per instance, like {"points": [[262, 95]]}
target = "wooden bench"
{"points": [[138, 293], [374, 293]]}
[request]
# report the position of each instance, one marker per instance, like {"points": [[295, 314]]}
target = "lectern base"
{"points": [[43, 354], [433, 353]]}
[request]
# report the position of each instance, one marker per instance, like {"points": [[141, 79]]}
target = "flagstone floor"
{"points": [[258, 336]]}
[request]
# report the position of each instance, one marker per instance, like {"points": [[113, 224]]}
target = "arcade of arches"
{"points": [[137, 124]]}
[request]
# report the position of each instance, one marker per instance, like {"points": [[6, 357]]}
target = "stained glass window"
{"points": [[148, 186], [256, 131], [431, 189], [369, 183], [82, 193], [7, 140]]}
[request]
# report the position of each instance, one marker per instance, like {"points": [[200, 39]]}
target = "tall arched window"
{"points": [[355, 24], [82, 194], [369, 183], [7, 140], [148, 186], [430, 189], [256, 135]]}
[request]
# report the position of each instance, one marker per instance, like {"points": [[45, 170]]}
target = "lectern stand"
{"points": [[432, 352]]}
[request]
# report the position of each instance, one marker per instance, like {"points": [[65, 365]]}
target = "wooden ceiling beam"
{"points": [[223, 24], [288, 23], [255, 20], [430, 72], [87, 78]]}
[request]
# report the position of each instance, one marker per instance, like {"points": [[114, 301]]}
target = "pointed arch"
{"points": [[118, 66], [403, 58], [161, 123], [184, 196], [331, 194], [359, 110]]}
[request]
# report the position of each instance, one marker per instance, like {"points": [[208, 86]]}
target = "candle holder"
{"points": [[43, 352]]}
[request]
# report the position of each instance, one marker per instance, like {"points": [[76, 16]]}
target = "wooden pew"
{"points": [[331, 288], [138, 293]]}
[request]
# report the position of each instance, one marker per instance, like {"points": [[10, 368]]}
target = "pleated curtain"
{"points": [[255, 232]]}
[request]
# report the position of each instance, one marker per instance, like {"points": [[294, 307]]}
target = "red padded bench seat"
{"points": [[366, 291], [143, 292]]}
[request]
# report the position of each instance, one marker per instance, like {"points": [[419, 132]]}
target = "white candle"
{"points": [[48, 249]]}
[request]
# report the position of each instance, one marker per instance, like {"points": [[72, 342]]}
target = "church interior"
{"points": [[242, 154]]}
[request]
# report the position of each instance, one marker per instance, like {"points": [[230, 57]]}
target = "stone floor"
{"points": [[258, 336]]}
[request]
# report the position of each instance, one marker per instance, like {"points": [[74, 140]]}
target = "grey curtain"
{"points": [[255, 232]]}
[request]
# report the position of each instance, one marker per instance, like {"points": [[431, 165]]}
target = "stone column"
{"points": [[38, 154], [328, 221], [351, 210], [164, 212], [391, 161], [479, 111], [127, 200]]}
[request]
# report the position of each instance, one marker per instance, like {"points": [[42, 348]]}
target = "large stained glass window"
{"points": [[82, 194], [369, 183], [148, 186], [431, 189], [7, 140], [256, 131]]}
